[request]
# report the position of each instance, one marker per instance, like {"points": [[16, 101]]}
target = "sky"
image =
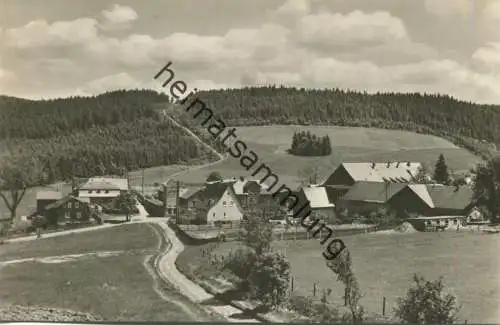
{"points": [[60, 48]]}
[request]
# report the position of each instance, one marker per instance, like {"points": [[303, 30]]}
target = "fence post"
{"points": [[292, 282], [314, 289], [383, 307]]}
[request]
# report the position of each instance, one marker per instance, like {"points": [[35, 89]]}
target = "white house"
{"points": [[223, 206], [97, 188]]}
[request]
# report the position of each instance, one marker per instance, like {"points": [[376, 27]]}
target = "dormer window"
{"points": [[90, 191], [98, 191]]}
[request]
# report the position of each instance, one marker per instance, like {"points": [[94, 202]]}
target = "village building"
{"points": [[217, 204], [423, 200], [364, 198], [348, 174], [46, 197], [70, 208], [102, 189], [319, 203], [256, 196]]}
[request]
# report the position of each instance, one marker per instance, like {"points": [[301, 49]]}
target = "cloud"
{"points": [[353, 29], [489, 56], [118, 16], [492, 10], [39, 33]]}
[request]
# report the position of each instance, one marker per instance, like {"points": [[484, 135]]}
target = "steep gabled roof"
{"points": [[421, 191], [317, 197], [395, 172], [65, 200], [450, 197], [373, 191]]}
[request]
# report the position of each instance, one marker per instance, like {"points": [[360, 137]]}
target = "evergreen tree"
{"points": [[441, 174]]}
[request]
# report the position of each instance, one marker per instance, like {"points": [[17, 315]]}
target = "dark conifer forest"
{"points": [[123, 129], [106, 134], [307, 144]]}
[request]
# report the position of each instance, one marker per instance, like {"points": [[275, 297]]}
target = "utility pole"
{"points": [[164, 199], [142, 182], [177, 194]]}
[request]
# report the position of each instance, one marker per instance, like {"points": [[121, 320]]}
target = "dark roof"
{"points": [[189, 192], [64, 200], [449, 197], [373, 191]]}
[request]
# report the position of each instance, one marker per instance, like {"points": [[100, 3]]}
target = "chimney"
{"points": [[242, 178], [408, 164], [388, 164], [373, 165], [397, 164]]}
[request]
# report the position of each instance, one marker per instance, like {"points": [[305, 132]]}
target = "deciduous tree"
{"points": [[214, 177], [126, 203], [487, 187]]}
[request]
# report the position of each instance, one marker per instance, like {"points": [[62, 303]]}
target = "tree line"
{"points": [[305, 143]]}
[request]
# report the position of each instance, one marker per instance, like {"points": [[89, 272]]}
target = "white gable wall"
{"points": [[226, 209]]}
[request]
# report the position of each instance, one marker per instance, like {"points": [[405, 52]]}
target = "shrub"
{"points": [[241, 263], [269, 279], [427, 303]]}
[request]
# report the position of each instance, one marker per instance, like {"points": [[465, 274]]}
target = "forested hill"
{"points": [[21, 118], [88, 136], [414, 112]]}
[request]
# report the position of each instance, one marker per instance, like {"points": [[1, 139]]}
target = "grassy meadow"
{"points": [[384, 265], [116, 287], [349, 145]]}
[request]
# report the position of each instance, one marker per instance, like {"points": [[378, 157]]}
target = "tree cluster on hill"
{"points": [[307, 144]]}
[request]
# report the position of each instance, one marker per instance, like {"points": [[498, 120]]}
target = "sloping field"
{"points": [[349, 144], [103, 272], [384, 265]]}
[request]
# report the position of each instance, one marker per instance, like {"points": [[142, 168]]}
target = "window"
{"points": [[455, 221], [78, 215], [90, 191], [76, 205], [224, 203], [69, 205], [214, 214], [106, 191], [224, 214], [66, 215], [98, 191]]}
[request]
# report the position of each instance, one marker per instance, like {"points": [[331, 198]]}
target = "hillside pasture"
{"points": [[349, 145], [384, 265]]}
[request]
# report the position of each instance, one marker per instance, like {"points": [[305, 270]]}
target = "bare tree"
{"points": [[15, 178]]}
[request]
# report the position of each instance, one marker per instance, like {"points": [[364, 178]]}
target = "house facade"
{"points": [[46, 197], [70, 208], [365, 198], [254, 195], [218, 203]]}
